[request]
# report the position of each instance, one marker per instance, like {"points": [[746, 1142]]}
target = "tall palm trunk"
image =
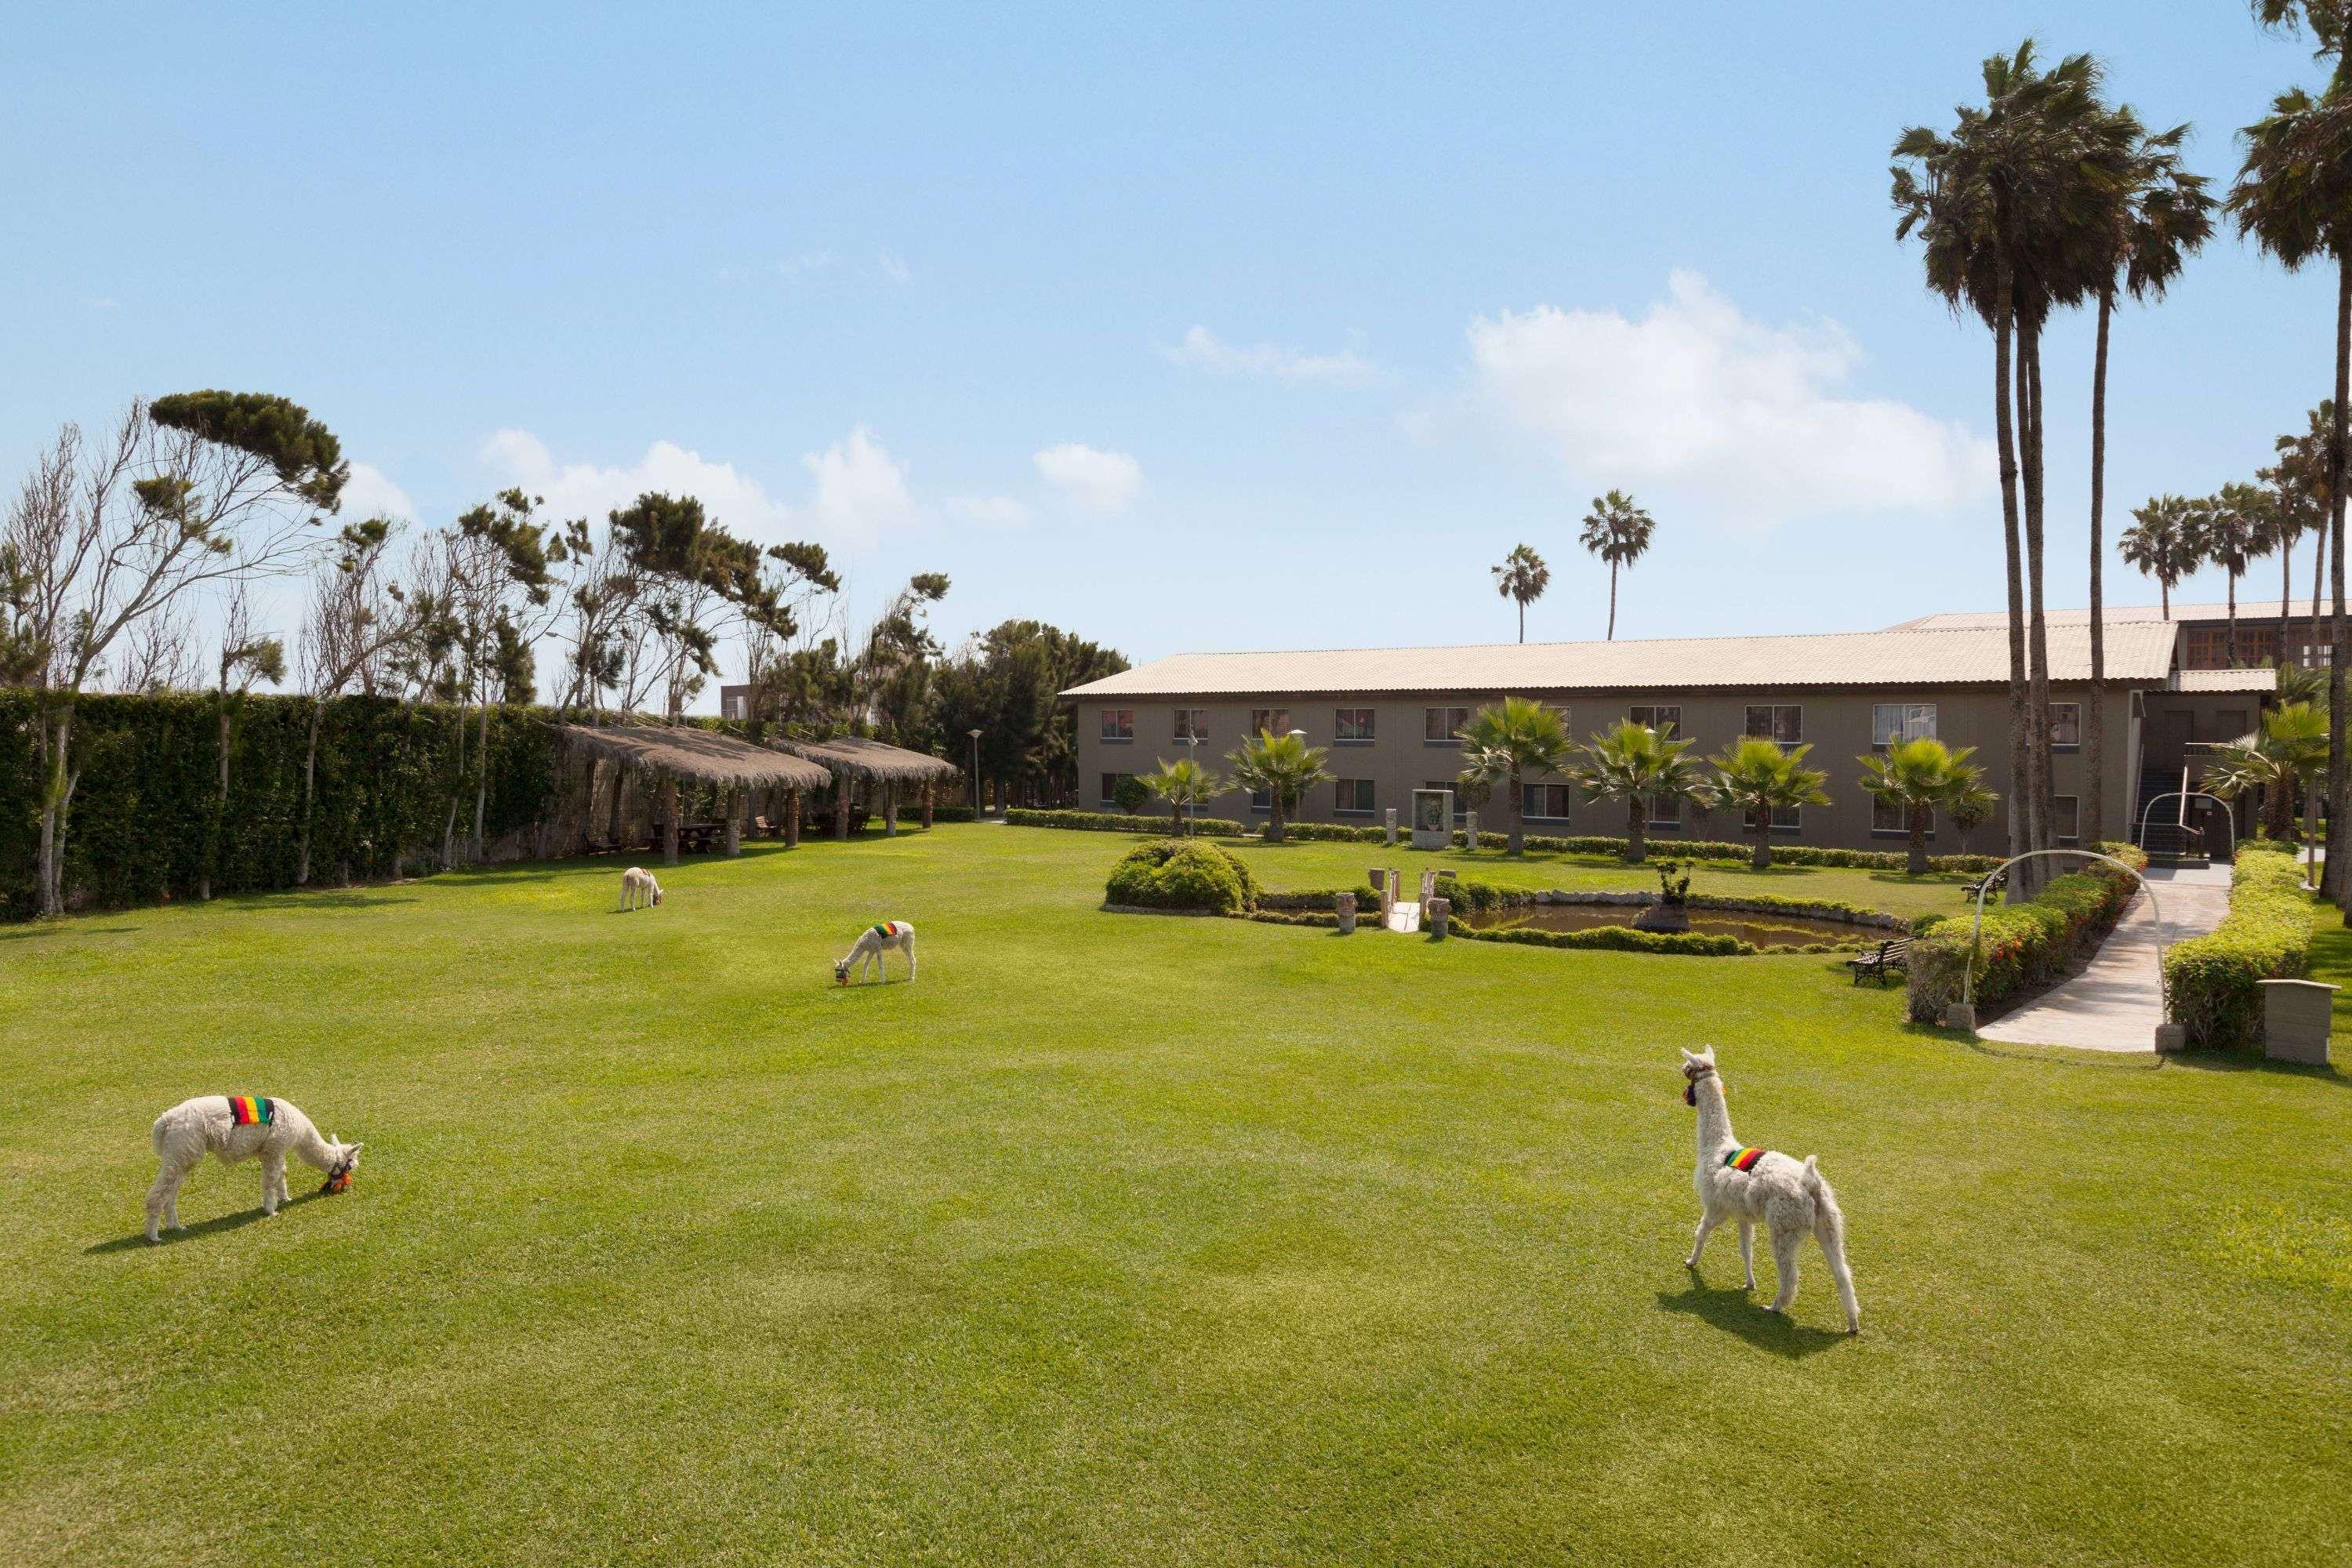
{"points": [[2038, 644], [2319, 576], [2095, 722], [1523, 620], [1918, 866], [1273, 816], [1637, 820], [2339, 779], [2231, 577], [1519, 840], [2286, 591], [1612, 602], [2005, 437]]}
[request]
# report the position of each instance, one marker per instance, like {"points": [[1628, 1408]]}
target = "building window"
{"points": [[1443, 726], [1892, 722], [1118, 723], [1262, 801], [1192, 724], [1666, 810], [1659, 718], [2208, 646], [1785, 819], [1351, 726], [2066, 817], [1110, 788], [1886, 820], [2066, 724], [1546, 802], [1269, 721], [739, 705], [1354, 797], [1781, 721]]}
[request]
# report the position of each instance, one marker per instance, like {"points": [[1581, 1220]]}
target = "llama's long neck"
{"points": [[1714, 1133], [313, 1150]]}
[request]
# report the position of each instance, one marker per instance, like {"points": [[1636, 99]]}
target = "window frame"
{"points": [[1673, 726], [2076, 801], [1771, 722], [1904, 732], [1655, 823], [1793, 827], [1366, 720], [2077, 743], [1106, 737], [1371, 789], [1270, 722], [1191, 726], [1110, 787], [1902, 830], [1567, 795], [1441, 713]]}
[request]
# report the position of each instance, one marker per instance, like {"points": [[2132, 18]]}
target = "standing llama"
{"points": [[638, 885], [872, 944], [238, 1127], [1736, 1182]]}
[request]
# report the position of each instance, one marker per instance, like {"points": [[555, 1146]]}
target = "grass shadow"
{"points": [[2242, 1062], [137, 1240], [1736, 1311], [52, 928]]}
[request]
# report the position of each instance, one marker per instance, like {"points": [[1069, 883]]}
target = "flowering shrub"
{"points": [[2021, 945]]}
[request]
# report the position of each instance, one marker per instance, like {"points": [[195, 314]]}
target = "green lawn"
{"points": [[1116, 1239], [1303, 865]]}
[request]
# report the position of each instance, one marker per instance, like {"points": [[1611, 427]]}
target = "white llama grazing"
{"points": [[1734, 1181], [872, 944], [238, 1127], [637, 884]]}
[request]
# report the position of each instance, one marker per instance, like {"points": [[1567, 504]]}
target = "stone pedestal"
{"points": [[1428, 887], [1440, 911], [1470, 832], [2296, 1017], [1391, 827], [1960, 1015], [1433, 819], [2172, 1036], [1346, 904]]}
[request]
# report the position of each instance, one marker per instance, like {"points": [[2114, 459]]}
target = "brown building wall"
{"points": [[1837, 724]]}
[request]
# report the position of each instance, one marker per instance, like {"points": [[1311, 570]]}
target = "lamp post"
{"points": [[976, 812]]}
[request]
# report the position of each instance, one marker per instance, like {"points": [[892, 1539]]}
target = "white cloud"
{"points": [[1091, 479], [1695, 393], [991, 512], [893, 267], [1203, 350], [369, 493], [806, 263], [860, 491]]}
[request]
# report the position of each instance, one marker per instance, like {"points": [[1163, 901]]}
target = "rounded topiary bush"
{"points": [[1183, 874]]}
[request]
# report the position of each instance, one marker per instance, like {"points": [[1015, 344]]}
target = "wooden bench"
{"points": [[1890, 956], [1970, 890]]}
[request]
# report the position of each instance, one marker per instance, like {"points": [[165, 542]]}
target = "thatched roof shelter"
{"points": [[859, 760], [700, 756]]}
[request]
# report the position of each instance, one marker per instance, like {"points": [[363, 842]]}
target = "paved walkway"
{"points": [[2116, 1003]]}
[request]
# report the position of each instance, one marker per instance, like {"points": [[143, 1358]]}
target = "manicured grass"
{"points": [[1303, 864], [1115, 1239]]}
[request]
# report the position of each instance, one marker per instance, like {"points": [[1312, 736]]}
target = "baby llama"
{"points": [[239, 1127]]}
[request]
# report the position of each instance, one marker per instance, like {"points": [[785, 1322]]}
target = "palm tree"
{"points": [[1916, 777], [2012, 206], [2288, 758], [2163, 217], [1970, 805], [1618, 531], [1183, 785], [1522, 576], [1638, 765], [2294, 198], [1756, 776], [2228, 528], [2161, 543], [1285, 766], [1509, 742], [2302, 479]]}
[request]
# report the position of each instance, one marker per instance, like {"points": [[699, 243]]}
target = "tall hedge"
{"points": [[2212, 984], [387, 772]]}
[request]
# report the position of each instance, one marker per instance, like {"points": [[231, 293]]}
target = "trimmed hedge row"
{"points": [[1660, 848], [1617, 939], [2022, 945], [2212, 984], [939, 813], [1114, 822]]}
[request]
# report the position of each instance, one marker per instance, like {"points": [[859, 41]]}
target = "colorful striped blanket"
{"points": [[1743, 1159], [246, 1110], [886, 930]]}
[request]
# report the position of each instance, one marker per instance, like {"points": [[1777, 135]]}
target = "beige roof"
{"points": [[2263, 680], [2251, 607], [861, 757], [687, 752], [2141, 654]]}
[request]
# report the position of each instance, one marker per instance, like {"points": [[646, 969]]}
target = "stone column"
{"points": [[1346, 904], [930, 790], [1391, 827], [792, 819], [734, 821], [669, 821], [1440, 911], [1470, 834], [1388, 898], [1428, 889]]}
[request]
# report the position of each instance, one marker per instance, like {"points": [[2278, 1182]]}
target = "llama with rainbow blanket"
{"points": [[872, 944], [238, 1127]]}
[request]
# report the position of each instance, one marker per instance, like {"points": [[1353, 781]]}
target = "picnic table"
{"points": [[693, 837]]}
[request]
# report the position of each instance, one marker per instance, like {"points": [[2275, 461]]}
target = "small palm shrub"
{"points": [[1182, 874]]}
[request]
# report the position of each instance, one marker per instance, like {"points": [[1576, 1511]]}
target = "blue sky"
{"points": [[1199, 328]]}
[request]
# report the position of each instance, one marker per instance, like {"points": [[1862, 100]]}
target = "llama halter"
{"points": [[1690, 1089], [1743, 1159], [340, 1178], [244, 1111]]}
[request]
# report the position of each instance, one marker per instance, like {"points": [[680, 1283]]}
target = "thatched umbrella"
{"points": [[851, 760], [696, 756]]}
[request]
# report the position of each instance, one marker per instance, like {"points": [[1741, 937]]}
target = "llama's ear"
{"points": [[1707, 1055], [1688, 1057]]}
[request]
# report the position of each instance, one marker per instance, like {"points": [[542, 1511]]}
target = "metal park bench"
{"points": [[1890, 957]]}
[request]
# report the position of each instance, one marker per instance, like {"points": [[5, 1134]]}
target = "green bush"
{"points": [[1130, 794], [1182, 874], [2021, 945], [1616, 939], [2212, 984], [2266, 847], [914, 813]]}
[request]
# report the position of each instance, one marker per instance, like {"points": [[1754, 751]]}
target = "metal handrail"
{"points": [[2185, 794]]}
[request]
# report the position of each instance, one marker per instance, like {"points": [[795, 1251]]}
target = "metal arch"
{"points": [[2186, 795], [1975, 933]]}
